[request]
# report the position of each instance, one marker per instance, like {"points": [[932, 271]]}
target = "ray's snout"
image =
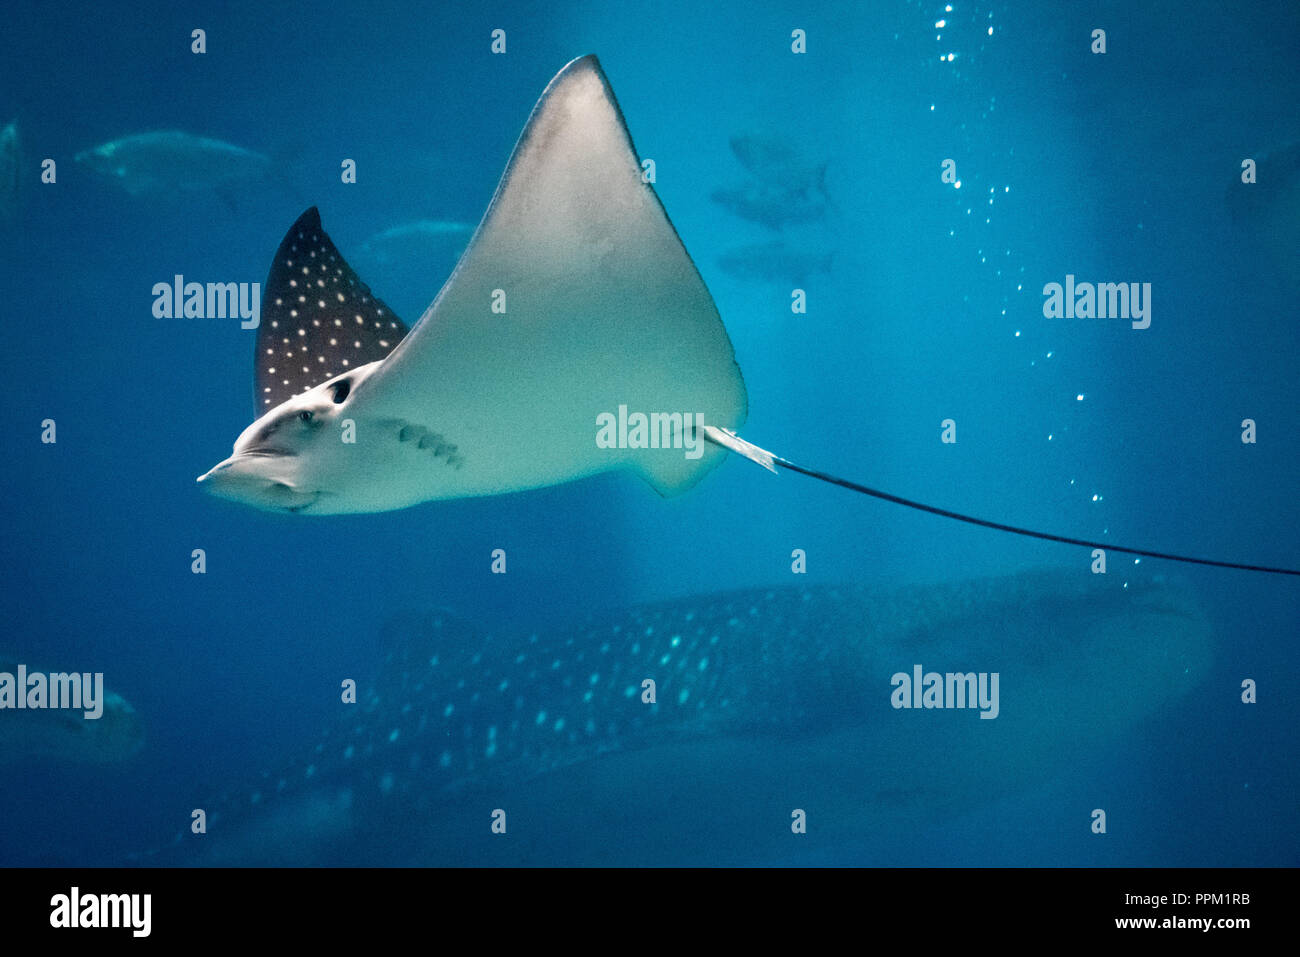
{"points": [[230, 479], [209, 479], [261, 478]]}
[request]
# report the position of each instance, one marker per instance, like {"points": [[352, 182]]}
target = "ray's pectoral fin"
{"points": [[318, 318], [575, 298]]}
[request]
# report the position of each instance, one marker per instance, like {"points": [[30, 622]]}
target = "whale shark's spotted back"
{"points": [[318, 318], [762, 696]]}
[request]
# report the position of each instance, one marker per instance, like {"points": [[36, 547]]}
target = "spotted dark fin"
{"points": [[318, 318]]}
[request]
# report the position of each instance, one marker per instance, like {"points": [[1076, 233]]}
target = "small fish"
{"points": [[10, 170], [772, 206], [170, 161], [775, 262], [779, 163]]}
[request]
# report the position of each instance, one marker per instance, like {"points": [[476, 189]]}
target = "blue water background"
{"points": [[1113, 168]]}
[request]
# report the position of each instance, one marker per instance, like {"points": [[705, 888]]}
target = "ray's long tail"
{"points": [[734, 443]]}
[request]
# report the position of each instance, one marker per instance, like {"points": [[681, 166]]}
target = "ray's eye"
{"points": [[305, 415]]}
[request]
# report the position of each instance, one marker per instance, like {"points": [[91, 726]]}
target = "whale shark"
{"points": [[575, 305], [766, 702]]}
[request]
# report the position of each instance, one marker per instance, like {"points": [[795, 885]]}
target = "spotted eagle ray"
{"points": [[575, 299], [766, 701]]}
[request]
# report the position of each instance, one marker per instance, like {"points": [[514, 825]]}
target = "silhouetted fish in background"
{"points": [[1268, 210], [778, 162], [10, 171], [434, 244], [65, 735], [408, 261], [785, 189], [767, 700], [171, 161], [771, 206], [776, 262]]}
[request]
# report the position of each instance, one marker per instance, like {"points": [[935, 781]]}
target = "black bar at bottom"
{"points": [[335, 907]]}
